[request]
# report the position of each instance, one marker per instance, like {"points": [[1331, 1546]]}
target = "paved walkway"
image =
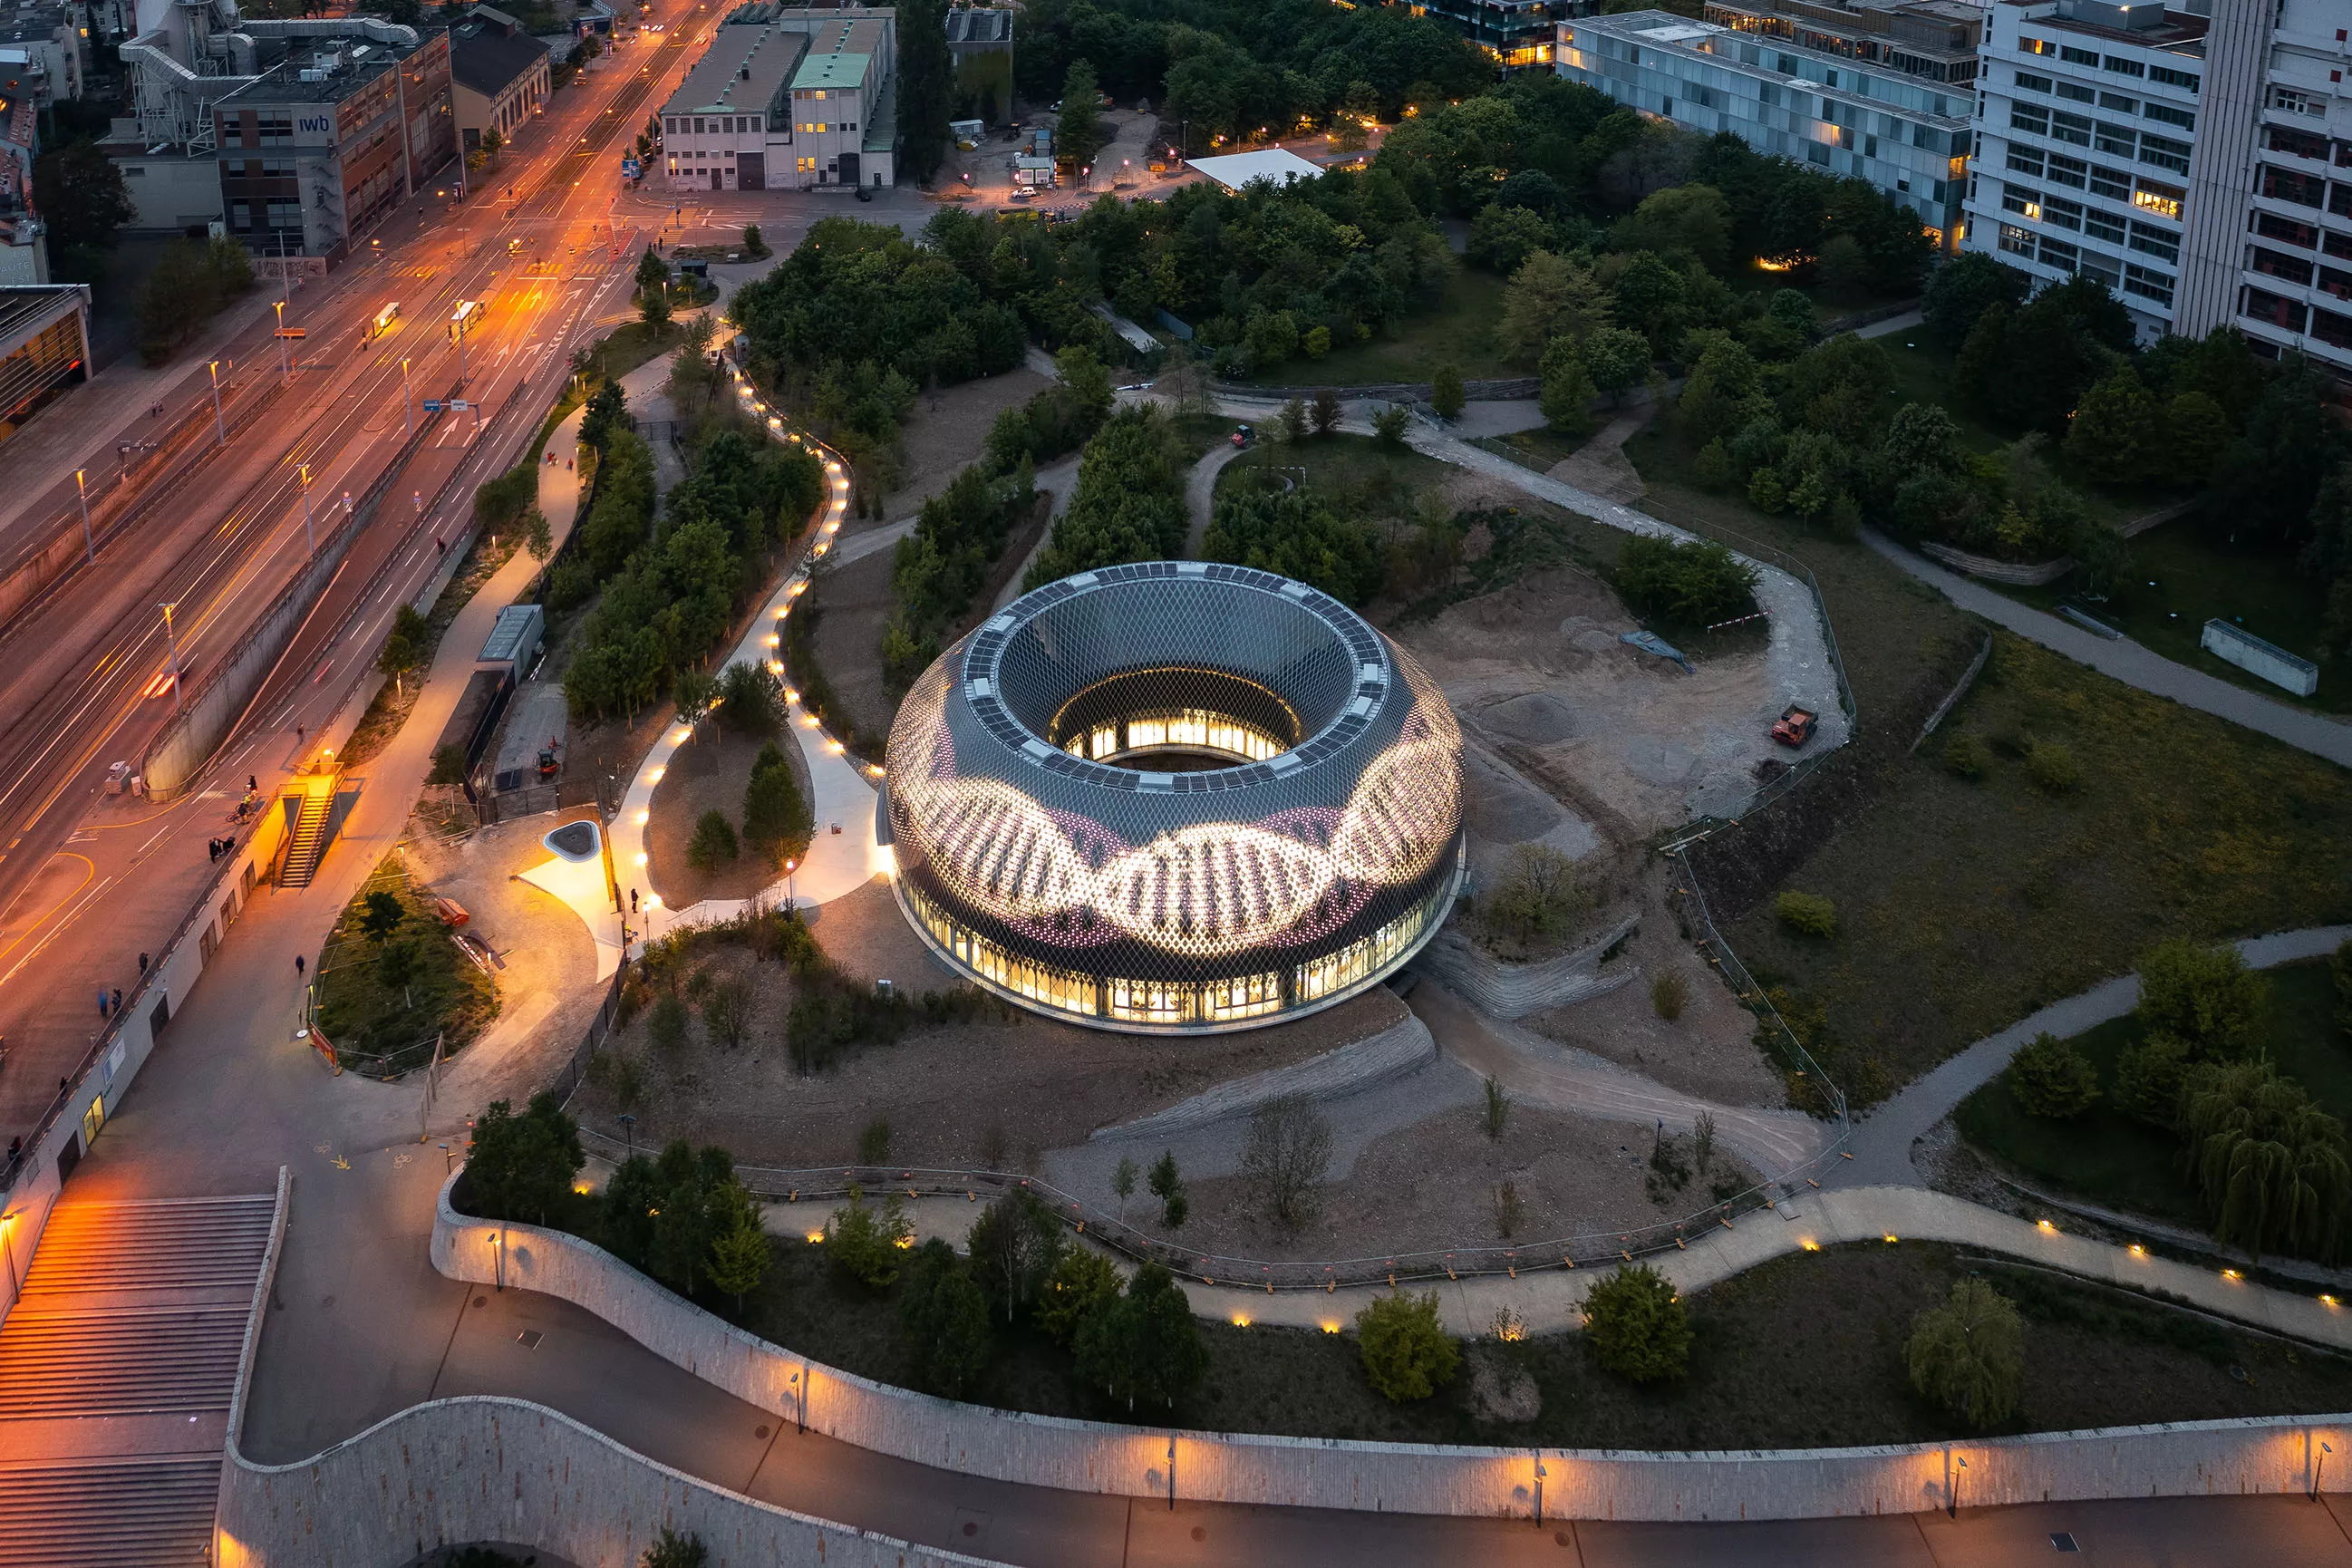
{"points": [[1882, 1141], [2130, 662], [1062, 481], [1200, 494]]}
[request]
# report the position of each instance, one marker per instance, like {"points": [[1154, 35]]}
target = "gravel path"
{"points": [[1062, 479], [2130, 662], [1201, 493]]}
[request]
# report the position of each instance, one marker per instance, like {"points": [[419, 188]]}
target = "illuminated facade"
{"points": [[1175, 797]]}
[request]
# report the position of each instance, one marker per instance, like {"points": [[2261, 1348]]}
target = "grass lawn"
{"points": [[1353, 464], [628, 346], [2183, 576], [1807, 1350], [2106, 1158], [445, 992], [1459, 330], [1538, 448], [1962, 905]]}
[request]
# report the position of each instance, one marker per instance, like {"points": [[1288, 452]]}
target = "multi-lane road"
{"points": [[89, 881]]}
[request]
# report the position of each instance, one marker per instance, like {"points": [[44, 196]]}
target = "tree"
{"points": [[537, 537], [775, 817], [754, 246], [1166, 1184], [1635, 1323], [2271, 1164], [1285, 1157], [1144, 1347], [2339, 971], [2051, 1076], [727, 1012], [1566, 390], [608, 408], [713, 843], [1968, 1354], [665, 1022], [1536, 897], [1293, 417], [381, 915], [865, 1243], [1548, 297], [2118, 431], [2196, 434], [181, 293], [740, 1254], [1389, 425], [407, 645], [2148, 1078], [1693, 218], [1122, 1181], [653, 298], [1086, 383], [1324, 411], [926, 89], [1961, 290], [1499, 1109], [1688, 582], [1406, 1352], [80, 192], [1616, 358], [1445, 392], [746, 694], [2206, 996], [946, 1318], [1014, 1245], [1082, 1283], [1077, 131], [522, 1164], [1842, 267]]}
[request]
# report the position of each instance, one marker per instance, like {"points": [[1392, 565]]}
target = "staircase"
{"points": [[118, 1369], [310, 840]]}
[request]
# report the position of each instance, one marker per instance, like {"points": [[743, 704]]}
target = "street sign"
{"points": [[631, 169], [290, 331], [432, 406], [458, 406]]}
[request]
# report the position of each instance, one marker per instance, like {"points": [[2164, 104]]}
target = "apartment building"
{"points": [[2269, 234], [2086, 133], [787, 100], [316, 150], [1880, 92]]}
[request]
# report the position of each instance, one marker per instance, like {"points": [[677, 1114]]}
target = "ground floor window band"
{"points": [[1177, 1004]]}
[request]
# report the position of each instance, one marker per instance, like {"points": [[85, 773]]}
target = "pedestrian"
{"points": [[439, 549], [15, 1147], [118, 998], [252, 785], [212, 850], [101, 1004], [228, 844], [142, 965], [299, 737], [298, 966], [633, 900]]}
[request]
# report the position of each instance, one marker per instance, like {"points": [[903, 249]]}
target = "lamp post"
{"points": [[172, 645], [1953, 1508], [88, 547], [1540, 1473], [2318, 1468], [629, 1131], [220, 426], [461, 352], [1172, 1472], [791, 897], [407, 407], [799, 1385], [308, 534], [284, 374]]}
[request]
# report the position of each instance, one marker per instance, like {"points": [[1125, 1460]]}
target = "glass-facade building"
{"points": [[1880, 93]]}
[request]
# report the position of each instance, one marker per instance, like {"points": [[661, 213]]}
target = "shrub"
{"points": [[2051, 1076], [1636, 1325], [1288, 1150], [1168, 1185], [449, 766], [946, 1320], [1538, 896], [2205, 995], [1668, 994], [1144, 1346], [1693, 583], [1407, 1353], [671, 1550], [1808, 914], [863, 1243], [873, 1142], [741, 1255], [2148, 1076], [2051, 766], [1965, 756], [1446, 394], [523, 1164], [665, 1025], [776, 819], [713, 843], [1713, 468], [1968, 1354], [1389, 425], [1499, 1109], [1082, 1281]]}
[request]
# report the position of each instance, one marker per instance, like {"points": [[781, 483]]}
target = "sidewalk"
{"points": [[2130, 662]]}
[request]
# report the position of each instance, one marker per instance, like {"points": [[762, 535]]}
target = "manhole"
{"points": [[971, 1527], [481, 1301], [1199, 1533], [759, 1432], [528, 1339], [1559, 1538], [2238, 1373], [2063, 1540]]}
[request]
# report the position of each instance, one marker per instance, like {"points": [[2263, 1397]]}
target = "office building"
{"points": [[23, 257], [2086, 140], [1880, 92], [787, 100]]}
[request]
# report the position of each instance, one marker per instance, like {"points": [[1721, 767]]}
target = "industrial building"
{"points": [[500, 74], [1175, 797], [44, 347], [787, 100]]}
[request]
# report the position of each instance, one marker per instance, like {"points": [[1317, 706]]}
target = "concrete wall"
{"points": [[458, 1471], [2185, 1458]]}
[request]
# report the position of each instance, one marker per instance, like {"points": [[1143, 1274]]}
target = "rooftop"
{"points": [[27, 308], [838, 55], [979, 26], [1280, 165], [487, 57], [315, 69], [745, 68], [2179, 30]]}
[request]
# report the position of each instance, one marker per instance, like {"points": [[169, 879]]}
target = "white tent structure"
{"points": [[1235, 169]]}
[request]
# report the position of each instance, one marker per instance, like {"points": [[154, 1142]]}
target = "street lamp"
{"points": [[172, 645], [220, 426], [629, 1131], [308, 534], [407, 407], [1953, 1509], [89, 548], [790, 895], [284, 374], [2318, 1468]]}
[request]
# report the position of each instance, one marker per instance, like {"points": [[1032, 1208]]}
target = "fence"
{"points": [[494, 806], [575, 1071]]}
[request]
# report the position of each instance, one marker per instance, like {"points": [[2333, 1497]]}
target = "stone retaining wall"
{"points": [[2182, 1459], [1404, 1047], [458, 1471]]}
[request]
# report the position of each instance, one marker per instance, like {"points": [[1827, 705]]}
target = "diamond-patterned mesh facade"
{"points": [[1175, 797]]}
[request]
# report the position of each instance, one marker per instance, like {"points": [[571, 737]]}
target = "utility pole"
{"points": [[461, 355], [308, 533], [407, 406], [172, 644], [220, 426], [89, 548]]}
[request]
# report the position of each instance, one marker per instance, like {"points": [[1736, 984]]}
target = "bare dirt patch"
{"points": [[710, 772], [1434, 1186], [945, 434], [853, 602], [1536, 669], [950, 1094]]}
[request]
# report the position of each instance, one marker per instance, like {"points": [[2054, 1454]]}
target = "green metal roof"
{"points": [[831, 71]]}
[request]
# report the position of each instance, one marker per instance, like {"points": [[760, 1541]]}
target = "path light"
{"points": [[644, 817]]}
